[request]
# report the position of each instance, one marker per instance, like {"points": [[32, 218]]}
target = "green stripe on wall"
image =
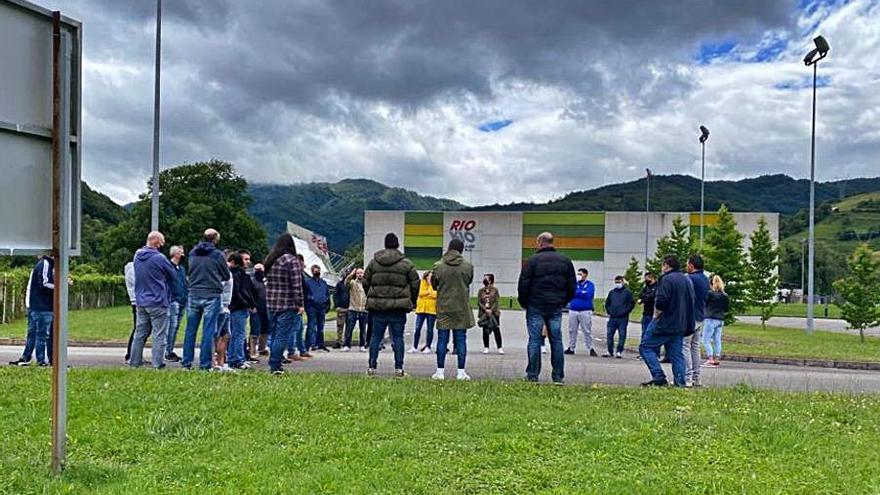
{"points": [[564, 218], [424, 217], [430, 241], [574, 254], [423, 263], [424, 252], [565, 230]]}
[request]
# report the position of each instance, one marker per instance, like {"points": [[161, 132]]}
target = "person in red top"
{"points": [[284, 297]]}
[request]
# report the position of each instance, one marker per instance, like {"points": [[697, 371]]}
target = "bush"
{"points": [[89, 290]]}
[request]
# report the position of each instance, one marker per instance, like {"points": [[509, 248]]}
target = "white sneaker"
{"points": [[486, 350], [438, 375], [226, 369], [426, 350], [363, 349], [412, 350], [618, 355], [461, 375], [500, 351], [543, 349]]}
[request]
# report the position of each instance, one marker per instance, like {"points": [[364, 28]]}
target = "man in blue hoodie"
{"points": [[154, 275], [207, 273], [178, 302], [580, 314], [39, 300], [317, 304]]}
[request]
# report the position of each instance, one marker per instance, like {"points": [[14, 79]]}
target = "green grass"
{"points": [[175, 432], [110, 325], [752, 340], [798, 310]]}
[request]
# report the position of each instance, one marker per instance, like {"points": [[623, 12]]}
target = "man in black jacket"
{"points": [[619, 304], [546, 285], [646, 299], [673, 318]]}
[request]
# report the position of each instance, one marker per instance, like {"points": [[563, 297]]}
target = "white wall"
{"points": [[376, 225]]}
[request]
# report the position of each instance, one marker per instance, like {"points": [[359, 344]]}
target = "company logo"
{"points": [[464, 230]]}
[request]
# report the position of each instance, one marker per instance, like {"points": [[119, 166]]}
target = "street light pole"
{"points": [[813, 58], [803, 267], [704, 136], [647, 211], [154, 200]]}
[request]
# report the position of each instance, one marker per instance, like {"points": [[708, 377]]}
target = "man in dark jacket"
{"points": [[259, 319], [341, 301], [452, 277], [546, 285], [208, 271], [241, 305], [691, 346], [619, 304], [673, 318], [392, 286], [179, 296], [317, 304], [39, 299], [154, 276], [646, 299]]}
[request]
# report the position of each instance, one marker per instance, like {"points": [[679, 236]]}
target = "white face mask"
{"points": [[618, 286]]}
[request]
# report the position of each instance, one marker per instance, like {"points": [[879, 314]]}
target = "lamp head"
{"points": [[818, 53], [704, 134]]}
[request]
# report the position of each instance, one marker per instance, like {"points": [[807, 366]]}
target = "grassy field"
{"points": [[315, 433], [109, 325]]}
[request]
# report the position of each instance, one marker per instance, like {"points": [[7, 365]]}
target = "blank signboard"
{"points": [[26, 79]]}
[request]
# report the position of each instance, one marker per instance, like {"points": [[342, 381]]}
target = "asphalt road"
{"points": [[579, 368]]}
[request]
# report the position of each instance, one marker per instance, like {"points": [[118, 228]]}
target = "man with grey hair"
{"points": [[154, 276], [207, 273], [178, 302], [546, 284]]}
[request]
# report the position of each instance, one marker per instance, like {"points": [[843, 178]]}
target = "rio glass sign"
{"points": [[465, 231]]}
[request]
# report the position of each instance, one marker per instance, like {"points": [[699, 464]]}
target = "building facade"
{"points": [[498, 242]]}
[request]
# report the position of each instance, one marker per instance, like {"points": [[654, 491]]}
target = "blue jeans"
{"points": [[422, 318], [459, 342], [395, 323], [535, 321], [712, 335], [295, 341], [196, 309], [238, 328], [281, 323], [39, 336], [646, 320], [361, 318], [649, 349], [315, 332], [175, 316], [616, 325]]}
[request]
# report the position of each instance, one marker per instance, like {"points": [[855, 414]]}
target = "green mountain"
{"points": [[774, 193], [335, 210]]}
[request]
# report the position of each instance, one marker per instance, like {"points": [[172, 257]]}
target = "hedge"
{"points": [[89, 290]]}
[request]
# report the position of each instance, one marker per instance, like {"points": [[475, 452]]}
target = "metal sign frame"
{"points": [[71, 98]]}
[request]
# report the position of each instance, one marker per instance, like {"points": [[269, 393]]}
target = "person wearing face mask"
{"points": [[317, 306], [646, 299], [619, 304], [489, 316], [580, 313]]}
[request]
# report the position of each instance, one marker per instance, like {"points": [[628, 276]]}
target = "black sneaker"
{"points": [[568, 351], [654, 383], [593, 353], [253, 360], [172, 357], [19, 362], [44, 365], [278, 372], [325, 349], [286, 361]]}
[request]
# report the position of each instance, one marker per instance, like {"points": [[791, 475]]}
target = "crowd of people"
{"points": [[285, 305]]}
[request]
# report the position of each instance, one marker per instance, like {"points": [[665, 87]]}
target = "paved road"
{"points": [[579, 368], [828, 325]]}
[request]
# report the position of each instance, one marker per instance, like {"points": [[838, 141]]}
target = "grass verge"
{"points": [[316, 433]]}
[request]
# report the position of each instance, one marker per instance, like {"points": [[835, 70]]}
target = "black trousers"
{"points": [[487, 331]]}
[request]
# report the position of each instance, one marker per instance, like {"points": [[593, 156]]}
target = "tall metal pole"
{"points": [[803, 265], [154, 203], [702, 195], [811, 256], [647, 211]]}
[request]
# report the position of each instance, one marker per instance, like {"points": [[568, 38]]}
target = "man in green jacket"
{"points": [[452, 277], [392, 286]]}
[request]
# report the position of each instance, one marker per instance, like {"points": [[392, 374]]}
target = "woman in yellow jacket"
{"points": [[426, 312]]}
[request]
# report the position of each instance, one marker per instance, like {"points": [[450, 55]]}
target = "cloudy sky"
{"points": [[482, 101]]}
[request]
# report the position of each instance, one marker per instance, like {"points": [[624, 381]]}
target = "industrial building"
{"points": [[499, 241]]}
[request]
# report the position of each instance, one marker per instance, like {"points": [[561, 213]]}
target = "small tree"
{"points": [[762, 278], [860, 291], [724, 257], [633, 277], [677, 242]]}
